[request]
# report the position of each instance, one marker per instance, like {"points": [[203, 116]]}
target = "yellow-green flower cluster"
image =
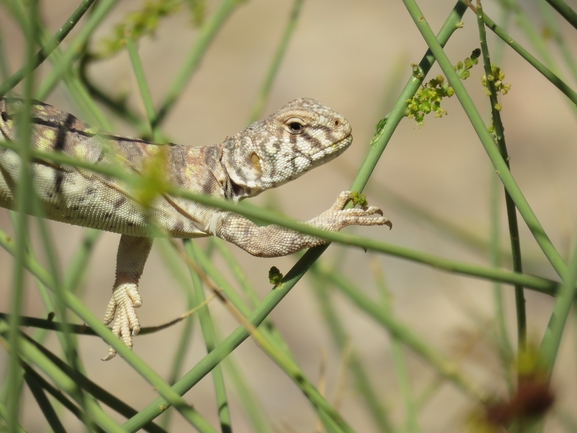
{"points": [[428, 98], [496, 77]]}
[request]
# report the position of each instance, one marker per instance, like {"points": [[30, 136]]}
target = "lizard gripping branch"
{"points": [[299, 137]]}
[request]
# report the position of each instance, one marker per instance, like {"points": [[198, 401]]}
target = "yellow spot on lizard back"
{"points": [[190, 171], [91, 130], [46, 140], [80, 152]]}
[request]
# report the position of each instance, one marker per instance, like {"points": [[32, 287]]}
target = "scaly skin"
{"points": [[299, 137]]}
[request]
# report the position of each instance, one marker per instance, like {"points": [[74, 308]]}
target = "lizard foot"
{"points": [[125, 299], [337, 218]]}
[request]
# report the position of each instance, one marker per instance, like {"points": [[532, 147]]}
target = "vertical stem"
{"points": [[505, 349], [510, 205], [23, 205]]}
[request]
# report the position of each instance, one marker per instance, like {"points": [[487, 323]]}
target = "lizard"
{"points": [[300, 136]]}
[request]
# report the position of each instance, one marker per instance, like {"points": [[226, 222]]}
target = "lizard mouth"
{"points": [[331, 152]]}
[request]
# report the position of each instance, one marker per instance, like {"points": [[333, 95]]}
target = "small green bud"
{"points": [[275, 276]]}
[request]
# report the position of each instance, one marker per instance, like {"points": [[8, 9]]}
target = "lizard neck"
{"points": [[233, 190], [236, 172], [219, 181]]}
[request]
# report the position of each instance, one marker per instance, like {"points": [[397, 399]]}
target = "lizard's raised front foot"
{"points": [[125, 299], [337, 218]]}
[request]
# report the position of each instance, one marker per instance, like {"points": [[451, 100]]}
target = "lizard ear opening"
{"points": [[255, 160]]}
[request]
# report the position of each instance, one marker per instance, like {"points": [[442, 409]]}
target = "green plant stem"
{"points": [[47, 49], [24, 206], [566, 12], [504, 343], [486, 140], [258, 106], [207, 33], [510, 206]]}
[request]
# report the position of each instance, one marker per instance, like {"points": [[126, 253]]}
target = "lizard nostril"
{"points": [[337, 123]]}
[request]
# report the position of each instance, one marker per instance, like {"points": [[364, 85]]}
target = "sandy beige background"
{"points": [[345, 54]]}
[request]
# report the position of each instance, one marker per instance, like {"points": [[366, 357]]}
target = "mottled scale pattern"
{"points": [[277, 149]]}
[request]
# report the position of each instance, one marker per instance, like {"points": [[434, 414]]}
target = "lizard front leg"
{"points": [[130, 260], [275, 241]]}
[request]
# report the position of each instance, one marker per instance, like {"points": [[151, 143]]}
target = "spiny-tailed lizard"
{"points": [[299, 137]]}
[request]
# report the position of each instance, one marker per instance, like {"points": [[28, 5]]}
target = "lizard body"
{"points": [[299, 137]]}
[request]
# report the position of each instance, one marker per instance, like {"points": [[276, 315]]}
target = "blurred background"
{"points": [[354, 57]]}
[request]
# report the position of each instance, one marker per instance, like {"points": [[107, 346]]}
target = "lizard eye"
{"points": [[295, 126]]}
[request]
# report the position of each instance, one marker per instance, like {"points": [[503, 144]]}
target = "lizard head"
{"points": [[299, 137]]}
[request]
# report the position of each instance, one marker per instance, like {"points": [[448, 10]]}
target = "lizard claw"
{"points": [[338, 218], [125, 299]]}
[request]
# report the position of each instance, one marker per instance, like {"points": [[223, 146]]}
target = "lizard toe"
{"points": [[125, 299]]}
